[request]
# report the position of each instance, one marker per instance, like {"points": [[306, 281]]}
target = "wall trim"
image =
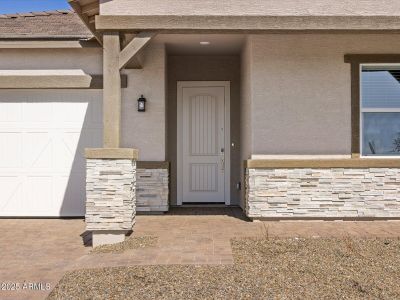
{"points": [[52, 79], [372, 58], [355, 110], [111, 153], [152, 164], [47, 44], [323, 163], [346, 219]]}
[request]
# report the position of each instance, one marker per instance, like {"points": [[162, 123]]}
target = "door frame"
{"points": [[226, 85]]}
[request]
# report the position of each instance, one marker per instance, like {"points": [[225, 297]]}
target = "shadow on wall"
{"points": [[90, 136]]}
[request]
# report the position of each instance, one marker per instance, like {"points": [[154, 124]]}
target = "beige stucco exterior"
{"points": [[301, 90], [146, 131], [251, 7], [289, 83], [87, 59], [290, 93]]}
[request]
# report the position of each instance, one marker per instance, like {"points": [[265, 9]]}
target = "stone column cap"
{"points": [[112, 153]]}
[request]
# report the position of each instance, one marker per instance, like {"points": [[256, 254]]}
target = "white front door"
{"points": [[204, 140]]}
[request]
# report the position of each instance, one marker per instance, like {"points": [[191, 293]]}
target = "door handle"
{"points": [[223, 163]]}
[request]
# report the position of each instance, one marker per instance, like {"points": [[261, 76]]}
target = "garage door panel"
{"points": [[10, 114], [37, 113], [11, 194], [66, 151], [42, 140], [10, 149], [38, 150], [74, 113], [72, 146], [39, 193]]}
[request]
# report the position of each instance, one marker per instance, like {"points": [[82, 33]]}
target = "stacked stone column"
{"points": [[110, 193]]}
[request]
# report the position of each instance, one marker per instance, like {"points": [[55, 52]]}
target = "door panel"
{"points": [[203, 143], [42, 167]]}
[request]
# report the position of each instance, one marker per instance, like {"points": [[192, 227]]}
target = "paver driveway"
{"points": [[43, 250], [35, 251]]}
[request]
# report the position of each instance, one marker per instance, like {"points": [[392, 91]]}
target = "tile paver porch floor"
{"points": [[43, 250]]}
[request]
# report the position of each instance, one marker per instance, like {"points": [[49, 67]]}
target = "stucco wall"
{"points": [[250, 7], [88, 59], [146, 130], [301, 90], [208, 68]]}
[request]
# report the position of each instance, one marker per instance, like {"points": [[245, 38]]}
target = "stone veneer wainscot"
{"points": [[110, 193], [152, 187], [323, 192]]}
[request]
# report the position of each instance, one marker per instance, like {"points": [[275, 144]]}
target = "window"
{"points": [[380, 110]]}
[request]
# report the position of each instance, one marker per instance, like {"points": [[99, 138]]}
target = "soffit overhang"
{"points": [[246, 24], [87, 11]]}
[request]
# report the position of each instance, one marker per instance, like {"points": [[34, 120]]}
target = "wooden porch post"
{"points": [[112, 90]]}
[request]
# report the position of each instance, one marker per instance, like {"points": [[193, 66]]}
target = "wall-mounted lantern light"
{"points": [[141, 104]]}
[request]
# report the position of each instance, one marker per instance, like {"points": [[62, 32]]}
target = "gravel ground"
{"points": [[129, 243], [267, 268]]}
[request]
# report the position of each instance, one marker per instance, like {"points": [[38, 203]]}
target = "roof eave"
{"points": [[270, 23], [87, 14]]}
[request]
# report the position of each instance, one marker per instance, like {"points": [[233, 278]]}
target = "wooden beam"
{"points": [[98, 82], [133, 47], [92, 19], [111, 90], [136, 63], [91, 8], [247, 23]]}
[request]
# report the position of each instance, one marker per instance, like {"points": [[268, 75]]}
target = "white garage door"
{"points": [[42, 139]]}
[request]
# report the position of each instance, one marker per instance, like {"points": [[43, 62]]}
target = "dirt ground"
{"points": [[292, 268]]}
